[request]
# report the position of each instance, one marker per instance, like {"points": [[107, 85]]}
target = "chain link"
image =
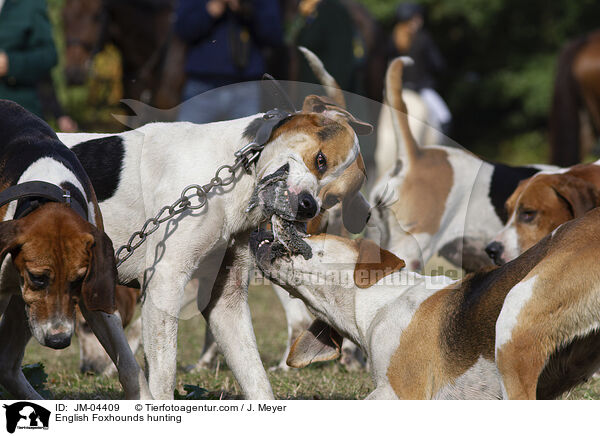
{"points": [[224, 176]]}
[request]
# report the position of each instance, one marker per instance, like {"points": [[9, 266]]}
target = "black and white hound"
{"points": [[60, 256], [138, 172]]}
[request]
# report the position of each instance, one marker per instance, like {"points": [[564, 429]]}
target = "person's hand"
{"points": [[216, 8], [307, 7], [3, 64], [67, 124]]}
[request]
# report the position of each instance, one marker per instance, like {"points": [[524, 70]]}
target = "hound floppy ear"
{"points": [[579, 195], [9, 231], [326, 107], [319, 343], [356, 212], [98, 288], [374, 263]]}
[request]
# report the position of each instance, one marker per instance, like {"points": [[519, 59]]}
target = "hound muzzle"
{"points": [[54, 333], [273, 195]]}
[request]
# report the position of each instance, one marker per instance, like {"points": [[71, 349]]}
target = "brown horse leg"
{"points": [[586, 70]]}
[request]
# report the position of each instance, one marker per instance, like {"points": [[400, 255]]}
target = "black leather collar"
{"points": [[31, 195]]}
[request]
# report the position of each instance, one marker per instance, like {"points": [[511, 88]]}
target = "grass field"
{"points": [[321, 381]]}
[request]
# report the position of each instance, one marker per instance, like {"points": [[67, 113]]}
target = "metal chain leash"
{"points": [[243, 158]]}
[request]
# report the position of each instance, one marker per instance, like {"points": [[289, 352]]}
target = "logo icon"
{"points": [[26, 415]]}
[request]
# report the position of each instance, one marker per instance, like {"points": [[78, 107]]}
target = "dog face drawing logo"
{"points": [[26, 415]]}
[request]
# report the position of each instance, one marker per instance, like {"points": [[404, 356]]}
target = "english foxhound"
{"points": [[315, 152], [438, 199], [60, 256], [526, 330], [543, 202]]}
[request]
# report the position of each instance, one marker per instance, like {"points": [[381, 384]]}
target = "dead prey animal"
{"points": [[272, 194], [290, 235]]}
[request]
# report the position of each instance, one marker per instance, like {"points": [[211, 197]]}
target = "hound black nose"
{"points": [[494, 251], [307, 206], [57, 341]]}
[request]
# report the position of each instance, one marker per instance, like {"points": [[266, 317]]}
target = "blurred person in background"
{"points": [[225, 39], [27, 51], [410, 38], [325, 27]]}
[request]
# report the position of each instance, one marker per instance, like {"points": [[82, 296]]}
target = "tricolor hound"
{"points": [[542, 203], [136, 173], [526, 330], [438, 199], [59, 254]]}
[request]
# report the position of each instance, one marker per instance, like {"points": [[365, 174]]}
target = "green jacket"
{"points": [[329, 33], [26, 37]]}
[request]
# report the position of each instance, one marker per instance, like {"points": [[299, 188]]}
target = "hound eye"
{"points": [[527, 216], [321, 162], [39, 281]]}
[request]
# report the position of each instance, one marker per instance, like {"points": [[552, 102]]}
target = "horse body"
{"points": [[586, 70], [152, 56], [576, 94]]}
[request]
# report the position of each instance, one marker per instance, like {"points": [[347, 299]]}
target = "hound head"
{"points": [[61, 260], [316, 157], [538, 206], [327, 283], [337, 265]]}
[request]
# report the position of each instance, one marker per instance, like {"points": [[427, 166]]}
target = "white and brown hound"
{"points": [[438, 199], [297, 316], [543, 202], [528, 329], [137, 172], [60, 256]]}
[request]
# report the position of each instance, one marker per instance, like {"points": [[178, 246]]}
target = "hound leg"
{"points": [[228, 316], [520, 363], [160, 318], [352, 356], [134, 335], [109, 331], [210, 351], [14, 335], [298, 319], [196, 294], [383, 391]]}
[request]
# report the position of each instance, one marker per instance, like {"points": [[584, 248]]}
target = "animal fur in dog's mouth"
{"points": [[279, 205], [273, 196], [291, 235], [266, 247]]}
